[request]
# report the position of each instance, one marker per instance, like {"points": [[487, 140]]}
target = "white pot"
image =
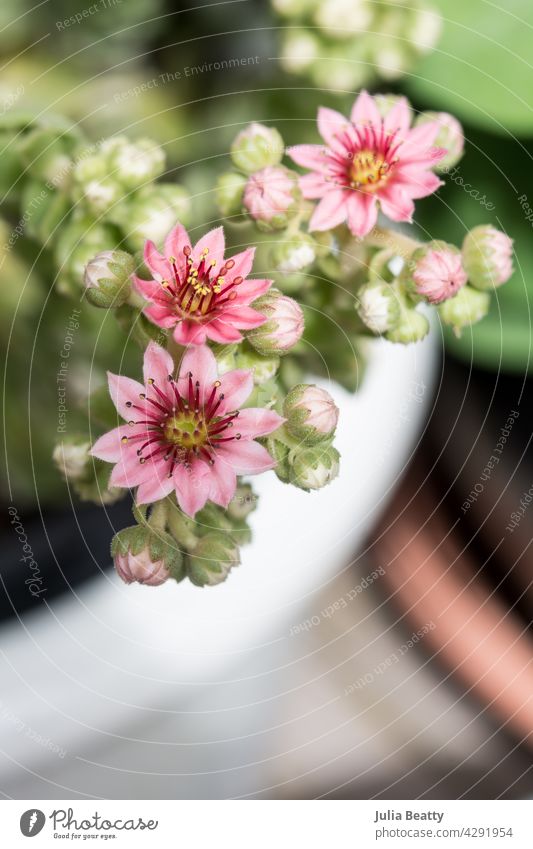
{"points": [[83, 670]]}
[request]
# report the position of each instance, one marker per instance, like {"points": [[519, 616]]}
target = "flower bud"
{"points": [[256, 147], [425, 25], [386, 102], [78, 242], [487, 257], [450, 137], [412, 327], [136, 163], [107, 279], [343, 19], [311, 413], [435, 272], [243, 502], [315, 467], [151, 212], [146, 556], [271, 197], [466, 308], [293, 254], [99, 195], [228, 193], [284, 325], [263, 368], [299, 50], [72, 458], [378, 306], [212, 559]]}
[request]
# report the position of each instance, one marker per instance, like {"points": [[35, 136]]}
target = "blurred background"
{"points": [[402, 672]]}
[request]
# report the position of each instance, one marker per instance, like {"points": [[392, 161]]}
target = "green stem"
{"points": [[158, 516], [383, 237]]}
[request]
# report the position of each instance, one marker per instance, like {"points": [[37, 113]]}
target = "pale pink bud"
{"points": [[283, 327], [487, 256], [311, 413], [270, 196], [141, 568], [438, 273]]}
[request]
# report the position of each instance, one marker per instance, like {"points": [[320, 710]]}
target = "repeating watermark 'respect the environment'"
{"points": [[88, 12]]}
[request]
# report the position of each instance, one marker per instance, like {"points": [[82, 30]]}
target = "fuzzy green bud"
{"points": [[466, 308], [293, 254], [412, 326], [108, 279], [315, 467], [134, 164], [71, 457], [228, 193], [256, 147], [146, 556], [378, 307], [487, 257], [212, 560], [152, 212], [450, 137]]}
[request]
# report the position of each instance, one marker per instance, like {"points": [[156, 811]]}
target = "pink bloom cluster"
{"points": [[198, 293], [365, 160], [185, 434]]}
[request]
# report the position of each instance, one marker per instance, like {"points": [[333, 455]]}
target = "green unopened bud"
{"points": [[212, 560], [487, 257], [243, 502], [466, 308], [152, 212], [299, 50], [378, 306], [425, 25], [412, 326], [264, 368], [136, 163], [315, 467], [91, 167], [311, 413], [108, 279], [450, 136], [385, 102], [46, 156], [256, 147], [284, 325], [228, 193], [280, 453], [77, 244], [343, 19], [71, 457], [293, 254], [146, 556]]}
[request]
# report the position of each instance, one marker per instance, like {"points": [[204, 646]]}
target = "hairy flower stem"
{"points": [[159, 515], [384, 237]]}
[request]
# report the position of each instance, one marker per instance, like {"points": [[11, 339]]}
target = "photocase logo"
{"points": [[32, 822]]}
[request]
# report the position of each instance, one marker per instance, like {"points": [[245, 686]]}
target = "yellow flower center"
{"points": [[187, 431], [368, 170]]}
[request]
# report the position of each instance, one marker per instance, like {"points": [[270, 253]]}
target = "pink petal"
{"points": [[192, 486], [154, 489], [201, 361], [365, 111], [189, 333], [149, 289], [122, 390], [236, 386], [362, 213], [157, 366], [160, 315], [313, 186], [243, 264], [245, 457], [330, 212], [214, 242], [255, 421], [223, 482], [398, 119], [176, 240], [222, 332], [419, 186], [331, 126], [245, 318], [109, 447], [157, 264], [129, 472], [249, 290], [396, 204], [312, 156], [419, 141]]}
